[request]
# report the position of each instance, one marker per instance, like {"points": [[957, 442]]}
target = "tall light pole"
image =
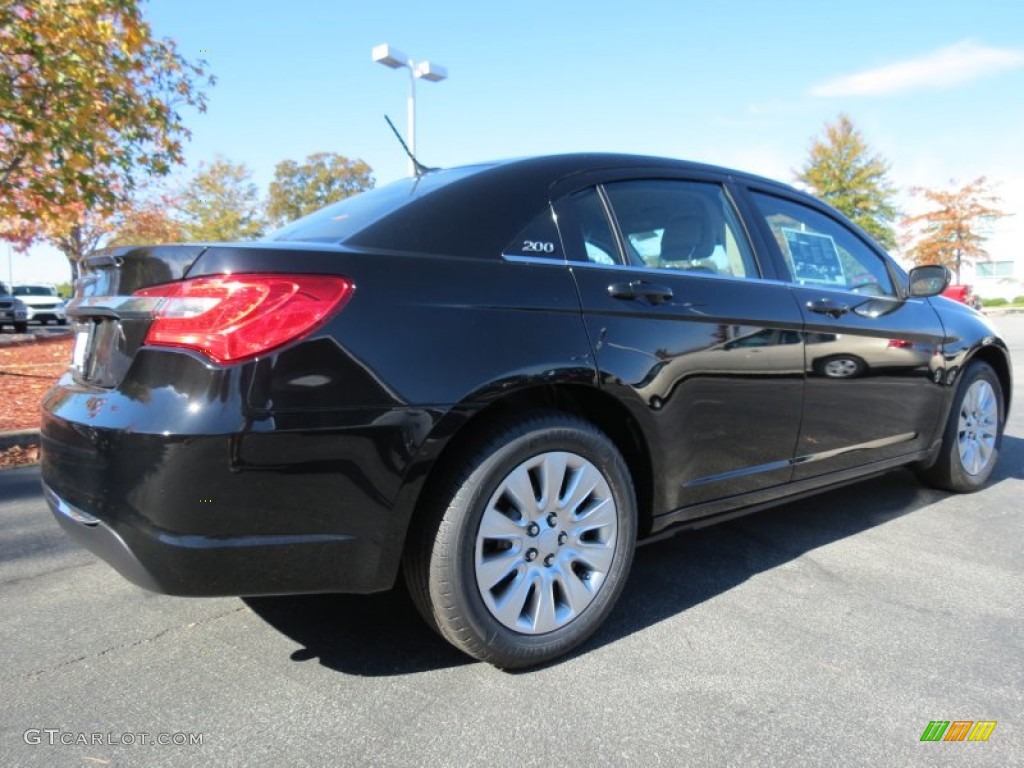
{"points": [[390, 56]]}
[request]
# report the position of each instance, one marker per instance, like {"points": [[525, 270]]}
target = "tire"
{"points": [[515, 574], [973, 433], [21, 327]]}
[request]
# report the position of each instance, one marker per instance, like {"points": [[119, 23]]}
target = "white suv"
{"points": [[43, 302]]}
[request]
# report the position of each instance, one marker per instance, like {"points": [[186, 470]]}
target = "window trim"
{"points": [[613, 221], [673, 272]]}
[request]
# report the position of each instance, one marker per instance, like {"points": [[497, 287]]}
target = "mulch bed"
{"points": [[27, 371]]}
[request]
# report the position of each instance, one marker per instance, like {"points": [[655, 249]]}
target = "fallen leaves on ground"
{"points": [[19, 455], [27, 371]]}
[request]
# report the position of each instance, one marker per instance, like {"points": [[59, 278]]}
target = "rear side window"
{"points": [[588, 226], [681, 225]]}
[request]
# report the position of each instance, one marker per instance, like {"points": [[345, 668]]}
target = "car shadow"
{"points": [[19, 483], [380, 635], [1011, 460], [367, 635]]}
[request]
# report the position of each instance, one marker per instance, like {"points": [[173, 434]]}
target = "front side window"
{"points": [[819, 251], [680, 225]]}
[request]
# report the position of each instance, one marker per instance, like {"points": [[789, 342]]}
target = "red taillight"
{"points": [[232, 317], [900, 344]]}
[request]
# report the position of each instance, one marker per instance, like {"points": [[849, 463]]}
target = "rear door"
{"points": [[873, 355], [689, 331]]}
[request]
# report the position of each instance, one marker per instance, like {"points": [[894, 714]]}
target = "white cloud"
{"points": [[952, 65]]}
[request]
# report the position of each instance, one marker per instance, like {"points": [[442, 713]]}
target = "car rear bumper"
{"points": [[181, 504], [181, 564]]}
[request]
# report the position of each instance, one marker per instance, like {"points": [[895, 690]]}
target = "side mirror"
{"points": [[930, 280]]}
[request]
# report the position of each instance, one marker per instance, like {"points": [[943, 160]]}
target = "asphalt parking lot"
{"points": [[829, 631]]}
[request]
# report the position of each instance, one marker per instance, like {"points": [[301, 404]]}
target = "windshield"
{"points": [[341, 220], [34, 290]]}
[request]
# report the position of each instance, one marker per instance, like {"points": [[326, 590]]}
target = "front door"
{"points": [[873, 356]]}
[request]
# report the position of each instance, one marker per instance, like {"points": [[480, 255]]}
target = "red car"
{"points": [[963, 294]]}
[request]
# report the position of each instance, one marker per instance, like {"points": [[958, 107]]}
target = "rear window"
{"points": [[339, 221]]}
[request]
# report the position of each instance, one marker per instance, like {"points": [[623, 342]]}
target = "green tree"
{"points": [[323, 178], [842, 171], [89, 105], [221, 204], [949, 231]]}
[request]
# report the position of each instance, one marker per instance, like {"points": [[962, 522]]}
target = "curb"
{"points": [[22, 437]]}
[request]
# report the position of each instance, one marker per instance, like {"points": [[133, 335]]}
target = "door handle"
{"points": [[828, 307], [639, 289]]}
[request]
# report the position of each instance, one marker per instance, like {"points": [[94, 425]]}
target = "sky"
{"points": [[936, 87]]}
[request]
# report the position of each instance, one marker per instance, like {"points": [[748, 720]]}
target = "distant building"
{"points": [[997, 279], [1002, 276]]}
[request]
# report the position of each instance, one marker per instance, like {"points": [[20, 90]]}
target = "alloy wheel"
{"points": [[978, 427]]}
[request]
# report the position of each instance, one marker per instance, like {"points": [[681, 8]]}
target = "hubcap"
{"points": [[545, 543], [979, 423], [841, 368]]}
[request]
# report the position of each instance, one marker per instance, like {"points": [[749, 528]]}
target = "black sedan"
{"points": [[495, 380]]}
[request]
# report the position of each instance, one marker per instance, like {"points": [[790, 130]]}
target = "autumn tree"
{"points": [[321, 179], [221, 203], [81, 235], [842, 171], [148, 221], [950, 230], [90, 105]]}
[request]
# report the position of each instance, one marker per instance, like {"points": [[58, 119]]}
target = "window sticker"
{"points": [[814, 257]]}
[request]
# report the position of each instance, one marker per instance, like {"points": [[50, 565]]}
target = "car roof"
{"points": [[484, 206]]}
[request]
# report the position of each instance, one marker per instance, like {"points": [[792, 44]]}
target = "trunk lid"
{"points": [[108, 322]]}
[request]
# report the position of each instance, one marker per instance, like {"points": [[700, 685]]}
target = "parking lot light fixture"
{"points": [[391, 57]]}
